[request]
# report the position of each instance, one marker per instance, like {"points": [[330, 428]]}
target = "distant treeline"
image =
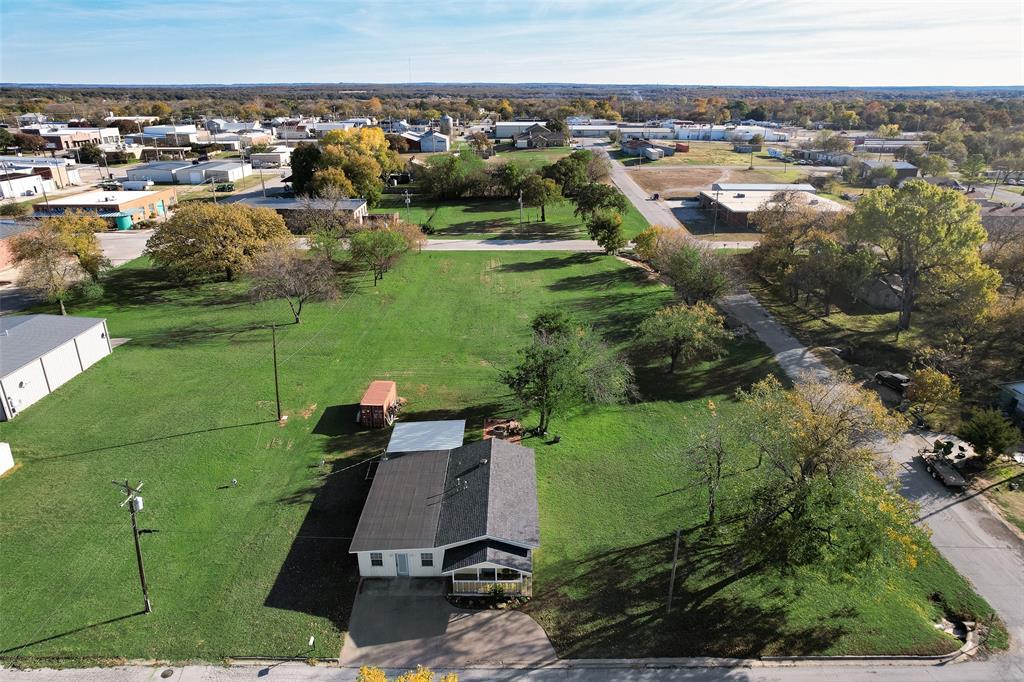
{"points": [[913, 109]]}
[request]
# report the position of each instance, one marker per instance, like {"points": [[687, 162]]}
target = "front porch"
{"points": [[477, 581]]}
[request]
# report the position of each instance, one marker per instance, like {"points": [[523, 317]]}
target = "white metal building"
{"points": [[40, 353], [433, 141], [506, 129], [14, 185]]}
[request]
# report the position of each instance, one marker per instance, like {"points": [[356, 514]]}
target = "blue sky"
{"points": [[828, 42]]}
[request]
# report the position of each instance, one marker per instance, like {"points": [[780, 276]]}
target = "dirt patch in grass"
{"points": [[673, 181]]}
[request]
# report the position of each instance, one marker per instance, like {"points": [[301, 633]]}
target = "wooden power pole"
{"points": [[134, 504]]}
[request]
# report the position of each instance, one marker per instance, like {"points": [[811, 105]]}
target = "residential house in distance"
{"points": [[538, 136], [31, 118], [1011, 401], [123, 209], [291, 208], [904, 170], [467, 513], [820, 156], [40, 353], [275, 158]]}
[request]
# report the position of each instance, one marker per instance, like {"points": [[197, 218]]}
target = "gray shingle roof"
{"points": [[23, 338], [488, 551], [404, 503], [437, 498]]}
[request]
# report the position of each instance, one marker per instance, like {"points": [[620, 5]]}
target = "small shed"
{"points": [[377, 408]]}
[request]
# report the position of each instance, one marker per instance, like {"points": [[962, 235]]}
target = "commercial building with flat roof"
{"points": [[123, 208], [734, 208]]}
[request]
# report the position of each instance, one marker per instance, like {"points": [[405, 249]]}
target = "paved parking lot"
{"points": [[407, 622]]}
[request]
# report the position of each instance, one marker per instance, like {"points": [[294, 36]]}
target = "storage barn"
{"points": [[39, 353]]}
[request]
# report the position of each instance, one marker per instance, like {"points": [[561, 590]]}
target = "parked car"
{"points": [[897, 382]]}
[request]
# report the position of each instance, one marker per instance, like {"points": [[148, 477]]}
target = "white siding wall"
{"points": [[61, 364], [33, 388], [390, 567], [93, 345]]}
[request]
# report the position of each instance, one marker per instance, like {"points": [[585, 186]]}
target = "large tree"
{"points": [[288, 273], [206, 239], [920, 233], [47, 263], [539, 191], [819, 499], [605, 228], [595, 196], [683, 332], [565, 366], [377, 250], [305, 162], [972, 171]]}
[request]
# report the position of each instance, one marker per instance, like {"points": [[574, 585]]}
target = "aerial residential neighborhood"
{"points": [[511, 341]]}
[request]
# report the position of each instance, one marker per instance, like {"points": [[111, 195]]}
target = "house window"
{"points": [[426, 559], [486, 574], [465, 575], [376, 558], [508, 574]]}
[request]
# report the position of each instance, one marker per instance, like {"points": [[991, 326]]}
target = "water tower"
{"points": [[447, 124]]}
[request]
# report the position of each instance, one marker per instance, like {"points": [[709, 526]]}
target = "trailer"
{"points": [[941, 468], [379, 405]]}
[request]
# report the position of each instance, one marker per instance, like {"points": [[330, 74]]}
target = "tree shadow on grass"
{"points": [[200, 333], [550, 263], [745, 364], [614, 603]]}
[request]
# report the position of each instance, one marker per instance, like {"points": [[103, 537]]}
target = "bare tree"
{"points": [[288, 273]]}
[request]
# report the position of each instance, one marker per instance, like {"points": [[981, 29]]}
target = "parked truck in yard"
{"points": [[940, 463]]}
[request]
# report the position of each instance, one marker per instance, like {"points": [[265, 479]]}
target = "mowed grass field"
{"points": [[498, 218], [701, 153], [256, 569]]}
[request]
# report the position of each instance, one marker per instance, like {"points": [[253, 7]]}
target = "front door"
{"points": [[402, 563]]}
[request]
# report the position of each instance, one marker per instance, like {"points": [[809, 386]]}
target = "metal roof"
{"points": [[432, 435], [24, 338]]}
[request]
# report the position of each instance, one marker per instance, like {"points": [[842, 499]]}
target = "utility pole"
{"points": [[263, 184], [714, 227], [134, 503], [277, 385], [672, 579], [520, 207]]}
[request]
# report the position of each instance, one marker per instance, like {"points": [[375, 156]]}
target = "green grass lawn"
{"points": [[530, 158], [498, 218], [616, 488], [254, 570]]}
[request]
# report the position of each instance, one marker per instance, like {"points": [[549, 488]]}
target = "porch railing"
{"points": [[523, 586]]}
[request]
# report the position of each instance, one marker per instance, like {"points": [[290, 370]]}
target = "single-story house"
{"points": [[904, 170], [997, 217], [123, 208], [40, 353], [468, 514], [355, 209], [433, 141], [1011, 401], [824, 157], [734, 207], [538, 136]]}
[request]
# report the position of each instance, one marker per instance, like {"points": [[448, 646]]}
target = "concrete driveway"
{"points": [[408, 622]]}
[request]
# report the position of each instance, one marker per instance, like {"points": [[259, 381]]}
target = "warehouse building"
{"points": [[40, 353], [189, 173]]}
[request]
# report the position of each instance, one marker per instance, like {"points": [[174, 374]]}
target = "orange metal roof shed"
{"points": [[380, 393]]}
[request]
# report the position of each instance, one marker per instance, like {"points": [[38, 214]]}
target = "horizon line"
{"points": [[27, 84]]}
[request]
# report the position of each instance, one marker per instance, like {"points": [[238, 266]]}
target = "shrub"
{"points": [[990, 433]]}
